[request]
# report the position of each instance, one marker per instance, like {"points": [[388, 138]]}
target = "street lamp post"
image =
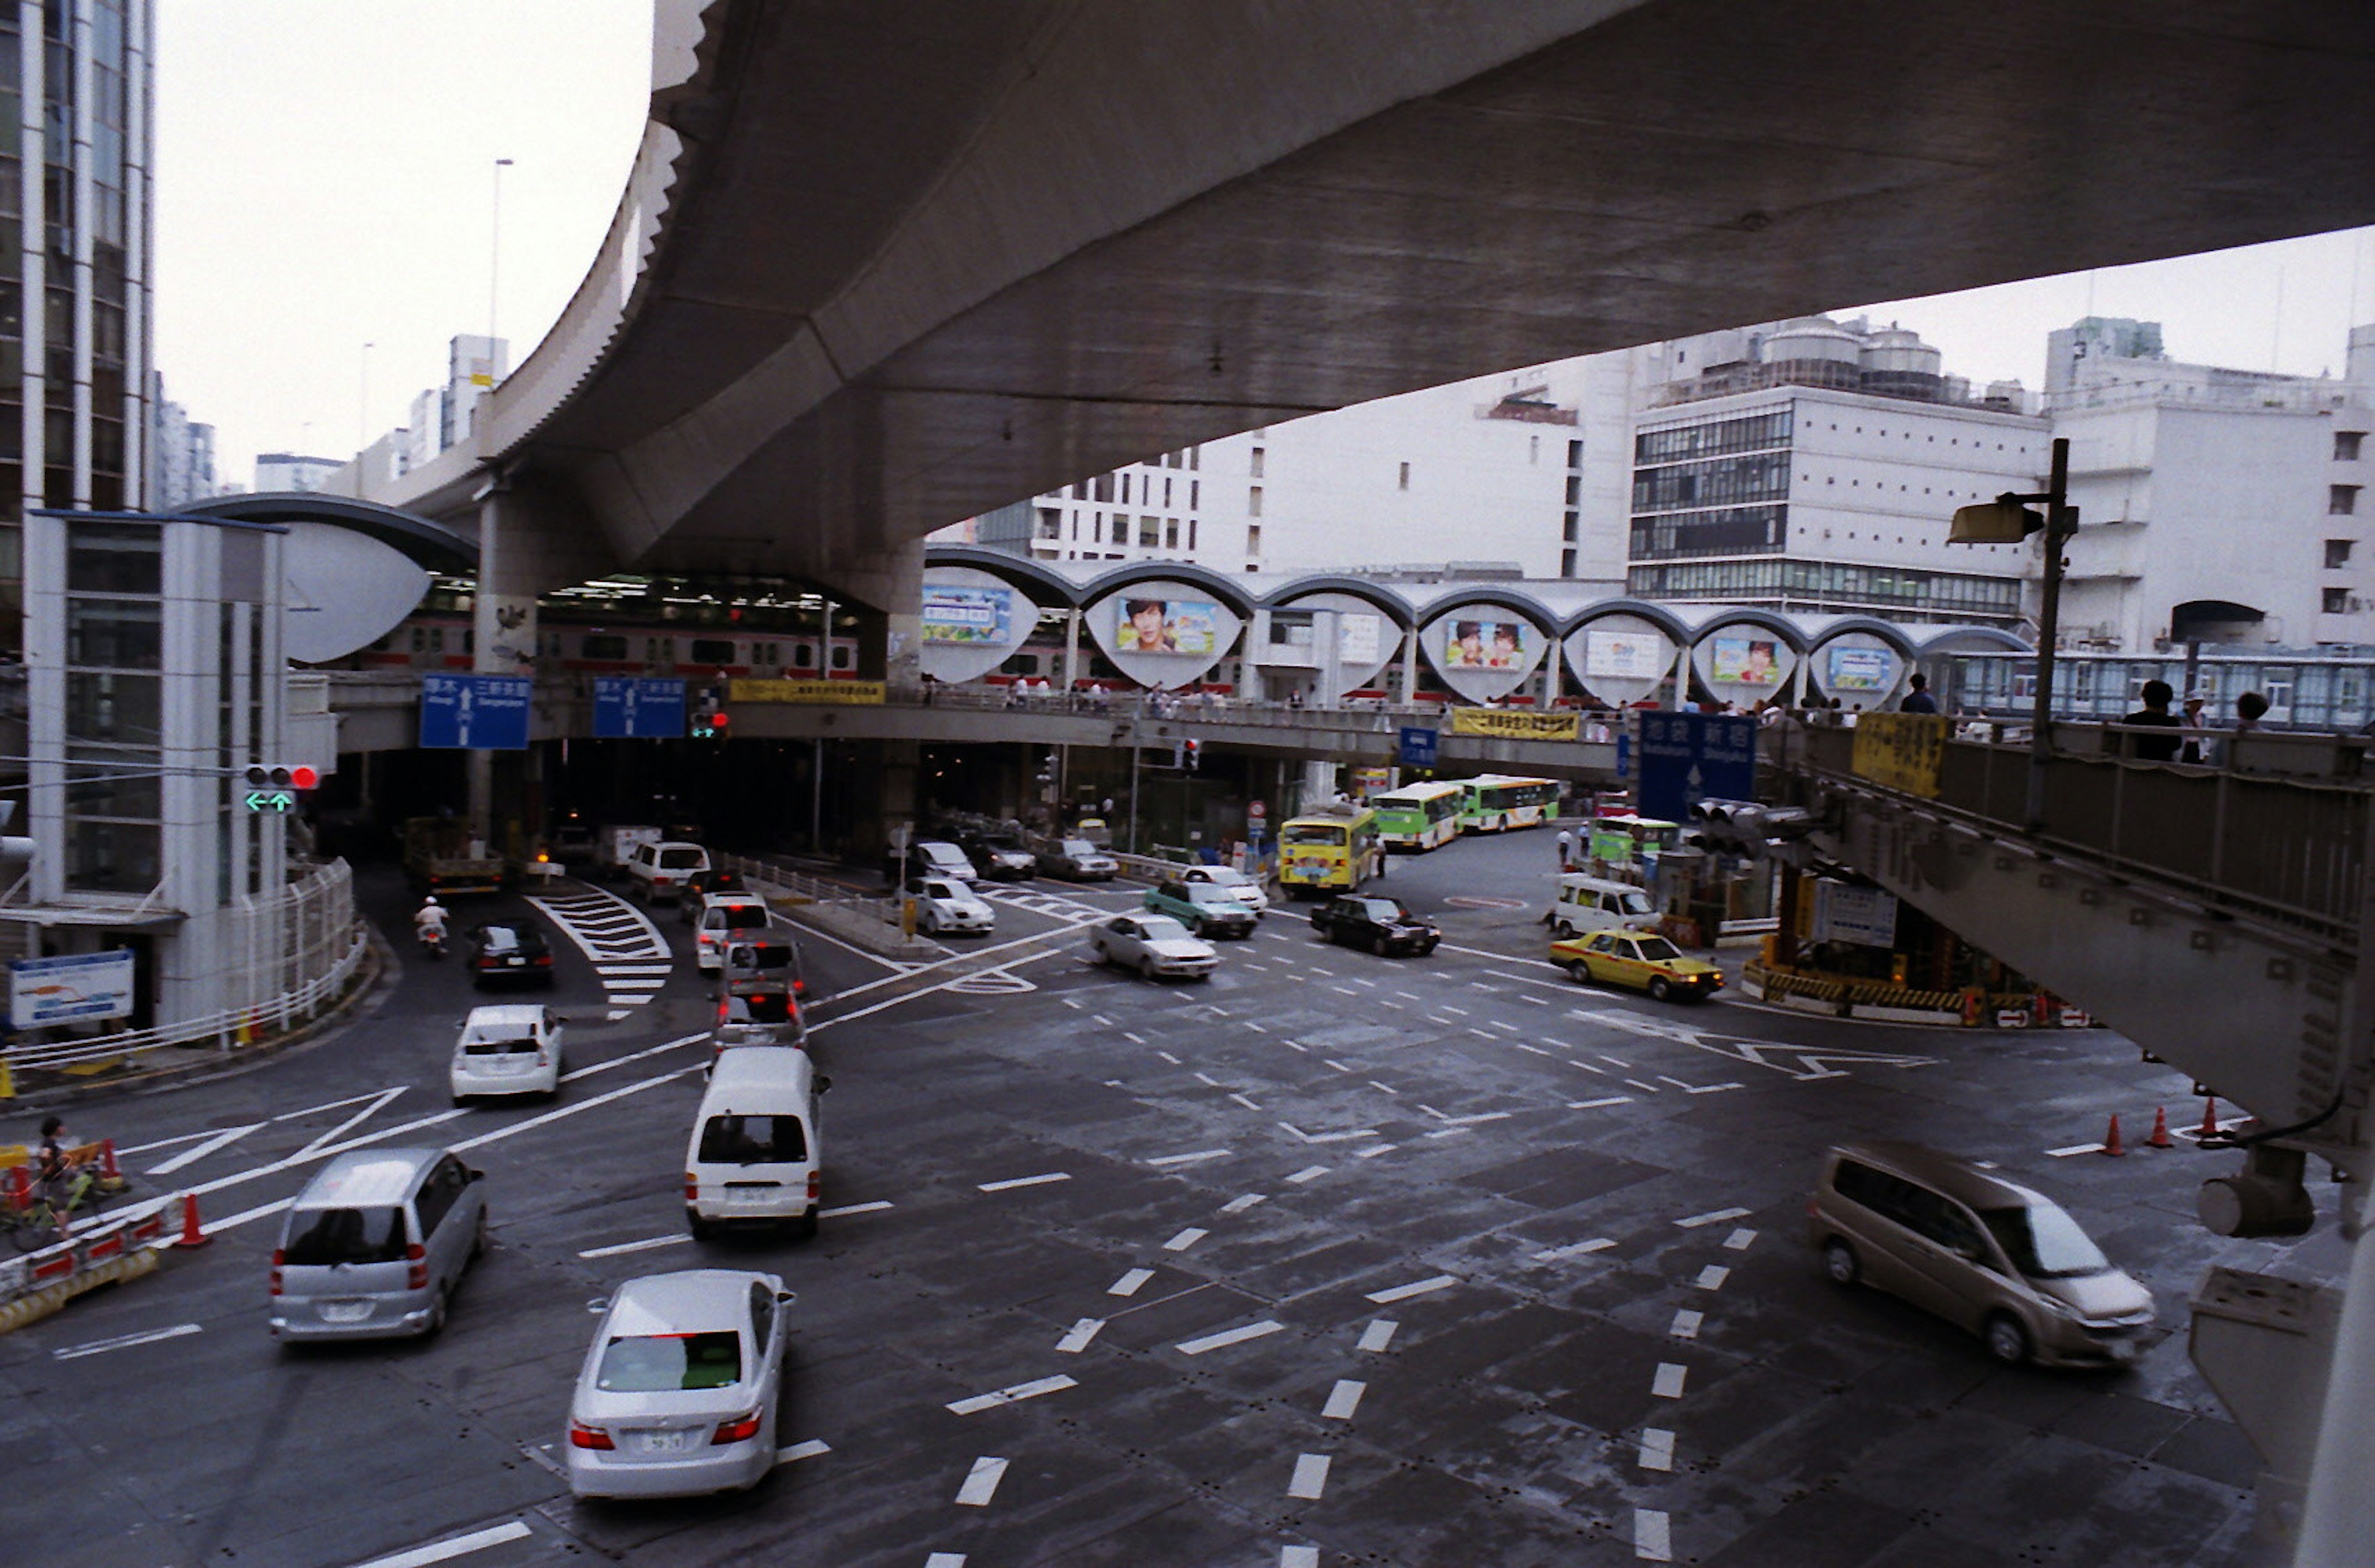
{"points": [[494, 260], [2007, 521]]}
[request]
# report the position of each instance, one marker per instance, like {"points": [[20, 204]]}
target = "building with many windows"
{"points": [[1814, 465], [74, 158], [181, 456]]}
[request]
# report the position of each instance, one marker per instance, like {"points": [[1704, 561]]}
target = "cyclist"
{"points": [[54, 1170]]}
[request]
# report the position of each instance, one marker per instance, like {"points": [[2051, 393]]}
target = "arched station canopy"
{"points": [[428, 544], [1282, 594]]}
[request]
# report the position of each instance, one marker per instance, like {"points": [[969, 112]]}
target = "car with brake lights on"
{"points": [[1383, 926], [514, 1049], [1156, 945], [1078, 860], [756, 1014], [1211, 911], [1640, 960], [507, 952], [1246, 891], [1967, 1243], [724, 920], [678, 1394], [701, 884]]}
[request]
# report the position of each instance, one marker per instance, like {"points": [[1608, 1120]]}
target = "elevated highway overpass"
{"points": [[875, 272]]}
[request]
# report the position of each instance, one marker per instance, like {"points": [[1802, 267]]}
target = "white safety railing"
{"points": [[319, 943]]}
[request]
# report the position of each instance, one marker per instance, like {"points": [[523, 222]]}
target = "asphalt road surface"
{"points": [[1334, 1259]]}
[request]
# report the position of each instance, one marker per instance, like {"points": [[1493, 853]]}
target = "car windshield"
{"points": [[320, 1237], [658, 1363], [1222, 875], [1635, 901], [1656, 949], [1079, 848], [1386, 909], [1163, 928], [2043, 1242], [500, 938], [732, 1139], [1205, 892], [681, 859]]}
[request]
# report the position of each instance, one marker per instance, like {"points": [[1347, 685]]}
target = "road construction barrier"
{"points": [[100, 1252]]}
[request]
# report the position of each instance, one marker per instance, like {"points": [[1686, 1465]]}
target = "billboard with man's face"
{"points": [[1164, 625]]}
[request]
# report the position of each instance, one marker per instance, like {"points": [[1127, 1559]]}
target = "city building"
{"points": [[289, 471], [1813, 464], [441, 414], [1503, 469], [2214, 505], [181, 456], [75, 162]]}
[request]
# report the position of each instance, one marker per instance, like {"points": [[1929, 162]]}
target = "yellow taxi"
{"points": [[1639, 959]]}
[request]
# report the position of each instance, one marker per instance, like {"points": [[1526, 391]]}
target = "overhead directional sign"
{"points": [[475, 712], [1692, 757], [631, 708], [1418, 747]]}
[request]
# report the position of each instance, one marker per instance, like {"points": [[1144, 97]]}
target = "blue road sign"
{"points": [[629, 708], [475, 712], [1693, 757], [1418, 747]]}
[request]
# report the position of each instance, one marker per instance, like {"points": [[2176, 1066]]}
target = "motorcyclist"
{"points": [[428, 924]]}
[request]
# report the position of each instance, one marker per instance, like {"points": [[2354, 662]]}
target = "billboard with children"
{"points": [[1483, 652]]}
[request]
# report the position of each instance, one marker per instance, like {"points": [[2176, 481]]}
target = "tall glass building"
{"points": [[75, 159]]}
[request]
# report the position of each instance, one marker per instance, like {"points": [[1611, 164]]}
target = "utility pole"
{"points": [[2007, 521]]}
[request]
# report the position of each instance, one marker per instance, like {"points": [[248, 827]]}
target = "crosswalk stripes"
{"points": [[626, 948], [1053, 905]]}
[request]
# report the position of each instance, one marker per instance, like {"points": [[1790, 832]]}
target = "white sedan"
{"points": [[678, 1392], [514, 1049], [1242, 888], [1154, 945]]}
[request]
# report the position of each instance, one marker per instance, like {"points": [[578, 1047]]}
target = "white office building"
{"points": [[293, 471], [1814, 466], [442, 416], [2221, 506], [1523, 472], [180, 456]]}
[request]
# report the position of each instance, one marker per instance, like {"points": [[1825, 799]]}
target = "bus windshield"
{"points": [[1326, 833]]}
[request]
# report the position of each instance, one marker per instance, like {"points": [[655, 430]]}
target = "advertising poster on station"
{"points": [[965, 616], [1746, 661], [1860, 669], [1626, 655], [1148, 625]]}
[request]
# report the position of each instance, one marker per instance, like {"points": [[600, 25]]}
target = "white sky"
{"points": [[326, 179]]}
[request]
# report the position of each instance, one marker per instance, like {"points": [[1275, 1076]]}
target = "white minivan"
{"points": [[1594, 903], [753, 1158]]}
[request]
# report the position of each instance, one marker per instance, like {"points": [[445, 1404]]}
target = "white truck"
{"points": [[614, 846]]}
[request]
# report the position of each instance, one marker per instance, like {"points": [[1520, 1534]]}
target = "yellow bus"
{"points": [[1333, 849], [1419, 816]]}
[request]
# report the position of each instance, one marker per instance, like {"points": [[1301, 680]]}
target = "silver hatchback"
{"points": [[679, 1391], [375, 1245]]}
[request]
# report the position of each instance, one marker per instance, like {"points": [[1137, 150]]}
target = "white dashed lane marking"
{"points": [[980, 1483]]}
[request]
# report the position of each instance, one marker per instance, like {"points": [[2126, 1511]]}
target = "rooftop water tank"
{"points": [[1812, 337]]}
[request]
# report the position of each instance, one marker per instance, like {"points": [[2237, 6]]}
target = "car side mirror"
{"points": [[823, 1083], [478, 1175], [598, 1305], [786, 1298]]}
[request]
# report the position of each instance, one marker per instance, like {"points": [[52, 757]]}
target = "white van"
{"points": [[375, 1245], [1594, 903], [753, 1158], [659, 870]]}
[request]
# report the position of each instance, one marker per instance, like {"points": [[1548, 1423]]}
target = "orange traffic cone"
{"points": [[190, 1236], [2209, 1116], [2160, 1139], [2111, 1144]]}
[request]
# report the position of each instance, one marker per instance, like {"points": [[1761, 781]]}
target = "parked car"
{"points": [[1380, 925], [514, 1049], [679, 1391], [508, 953], [375, 1245], [1643, 962], [1154, 945], [725, 919], [1997, 1258], [1206, 909], [1247, 890], [944, 905], [1000, 857], [1078, 860], [660, 869]]}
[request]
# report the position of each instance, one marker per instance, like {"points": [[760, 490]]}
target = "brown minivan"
{"points": [[2004, 1262]]}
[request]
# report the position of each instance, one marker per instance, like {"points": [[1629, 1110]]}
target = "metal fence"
{"points": [[314, 945]]}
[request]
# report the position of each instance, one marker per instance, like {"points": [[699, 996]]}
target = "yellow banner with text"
{"points": [[1901, 750], [754, 688], [1515, 726]]}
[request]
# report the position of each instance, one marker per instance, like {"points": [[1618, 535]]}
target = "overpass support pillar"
{"points": [[1406, 670], [891, 631], [1071, 649]]}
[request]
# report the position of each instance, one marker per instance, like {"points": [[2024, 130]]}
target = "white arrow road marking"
{"points": [[477, 1541], [1806, 1063], [190, 1156]]}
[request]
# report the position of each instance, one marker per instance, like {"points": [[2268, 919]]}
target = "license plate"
{"points": [[663, 1442], [514, 962], [752, 1195], [345, 1311]]}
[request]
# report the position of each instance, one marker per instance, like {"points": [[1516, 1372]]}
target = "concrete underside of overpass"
{"points": [[924, 261]]}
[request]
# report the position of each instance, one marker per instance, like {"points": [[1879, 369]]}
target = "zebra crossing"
{"points": [[626, 950], [1055, 906]]}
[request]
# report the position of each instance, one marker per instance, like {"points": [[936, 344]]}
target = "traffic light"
{"points": [[277, 786], [710, 719], [1745, 827], [1192, 753]]}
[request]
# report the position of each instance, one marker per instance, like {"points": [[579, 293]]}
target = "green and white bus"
{"points": [[1419, 816], [1492, 802]]}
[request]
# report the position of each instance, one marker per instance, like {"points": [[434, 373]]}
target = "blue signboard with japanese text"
{"points": [[633, 708], [475, 712], [1686, 758], [1418, 747]]}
